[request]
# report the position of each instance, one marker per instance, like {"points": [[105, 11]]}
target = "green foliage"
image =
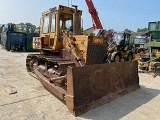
{"points": [[25, 27], [85, 33], [126, 29], [142, 30], [111, 30]]}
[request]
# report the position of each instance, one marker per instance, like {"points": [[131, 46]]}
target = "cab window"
{"points": [[53, 23], [46, 24]]}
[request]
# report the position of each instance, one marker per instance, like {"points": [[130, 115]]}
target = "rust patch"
{"points": [[94, 85]]}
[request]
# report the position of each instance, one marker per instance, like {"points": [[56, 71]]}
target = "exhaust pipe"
{"points": [[76, 21]]}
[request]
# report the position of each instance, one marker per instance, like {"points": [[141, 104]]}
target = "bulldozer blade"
{"points": [[94, 85]]}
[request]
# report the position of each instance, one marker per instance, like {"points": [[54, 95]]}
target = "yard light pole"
{"points": [[68, 3]]}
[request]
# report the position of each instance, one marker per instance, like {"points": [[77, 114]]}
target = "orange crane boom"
{"points": [[92, 10]]}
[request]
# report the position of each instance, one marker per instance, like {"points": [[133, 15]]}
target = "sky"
{"points": [[114, 14]]}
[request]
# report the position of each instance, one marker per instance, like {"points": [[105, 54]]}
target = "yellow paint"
{"points": [[158, 53]]}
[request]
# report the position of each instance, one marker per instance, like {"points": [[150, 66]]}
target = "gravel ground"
{"points": [[22, 97]]}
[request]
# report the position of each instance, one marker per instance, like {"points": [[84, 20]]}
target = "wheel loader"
{"points": [[72, 66], [121, 47]]}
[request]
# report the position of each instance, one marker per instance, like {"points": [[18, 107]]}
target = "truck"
{"points": [[140, 42], [151, 60]]}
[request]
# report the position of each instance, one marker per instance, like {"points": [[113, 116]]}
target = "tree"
{"points": [[37, 30], [138, 30], [30, 28], [145, 29], [25, 27], [85, 32], [20, 27], [142, 30], [111, 30], [126, 30]]}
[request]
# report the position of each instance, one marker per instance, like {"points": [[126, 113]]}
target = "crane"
{"points": [[92, 10], [96, 21]]}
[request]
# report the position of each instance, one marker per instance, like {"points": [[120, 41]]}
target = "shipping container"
{"points": [[13, 40]]}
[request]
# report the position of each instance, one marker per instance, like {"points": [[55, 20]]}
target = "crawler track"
{"points": [[28, 59]]}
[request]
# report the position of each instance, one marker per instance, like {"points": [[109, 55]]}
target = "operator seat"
{"points": [[121, 45]]}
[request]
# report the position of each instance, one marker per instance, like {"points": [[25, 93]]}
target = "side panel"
{"points": [[29, 41], [4, 38], [37, 45], [17, 38], [100, 84], [92, 49]]}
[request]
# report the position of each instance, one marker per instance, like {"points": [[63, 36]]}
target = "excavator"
{"points": [[72, 66]]}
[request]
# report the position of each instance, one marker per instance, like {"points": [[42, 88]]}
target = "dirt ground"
{"points": [[22, 97]]}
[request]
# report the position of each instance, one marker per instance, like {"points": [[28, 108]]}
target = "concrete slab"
{"points": [[32, 102]]}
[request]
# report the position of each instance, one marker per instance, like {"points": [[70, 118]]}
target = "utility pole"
{"points": [[68, 3]]}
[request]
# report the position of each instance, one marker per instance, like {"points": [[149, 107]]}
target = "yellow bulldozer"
{"points": [[72, 66]]}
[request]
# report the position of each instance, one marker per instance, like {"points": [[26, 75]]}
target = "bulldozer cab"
{"points": [[53, 22]]}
